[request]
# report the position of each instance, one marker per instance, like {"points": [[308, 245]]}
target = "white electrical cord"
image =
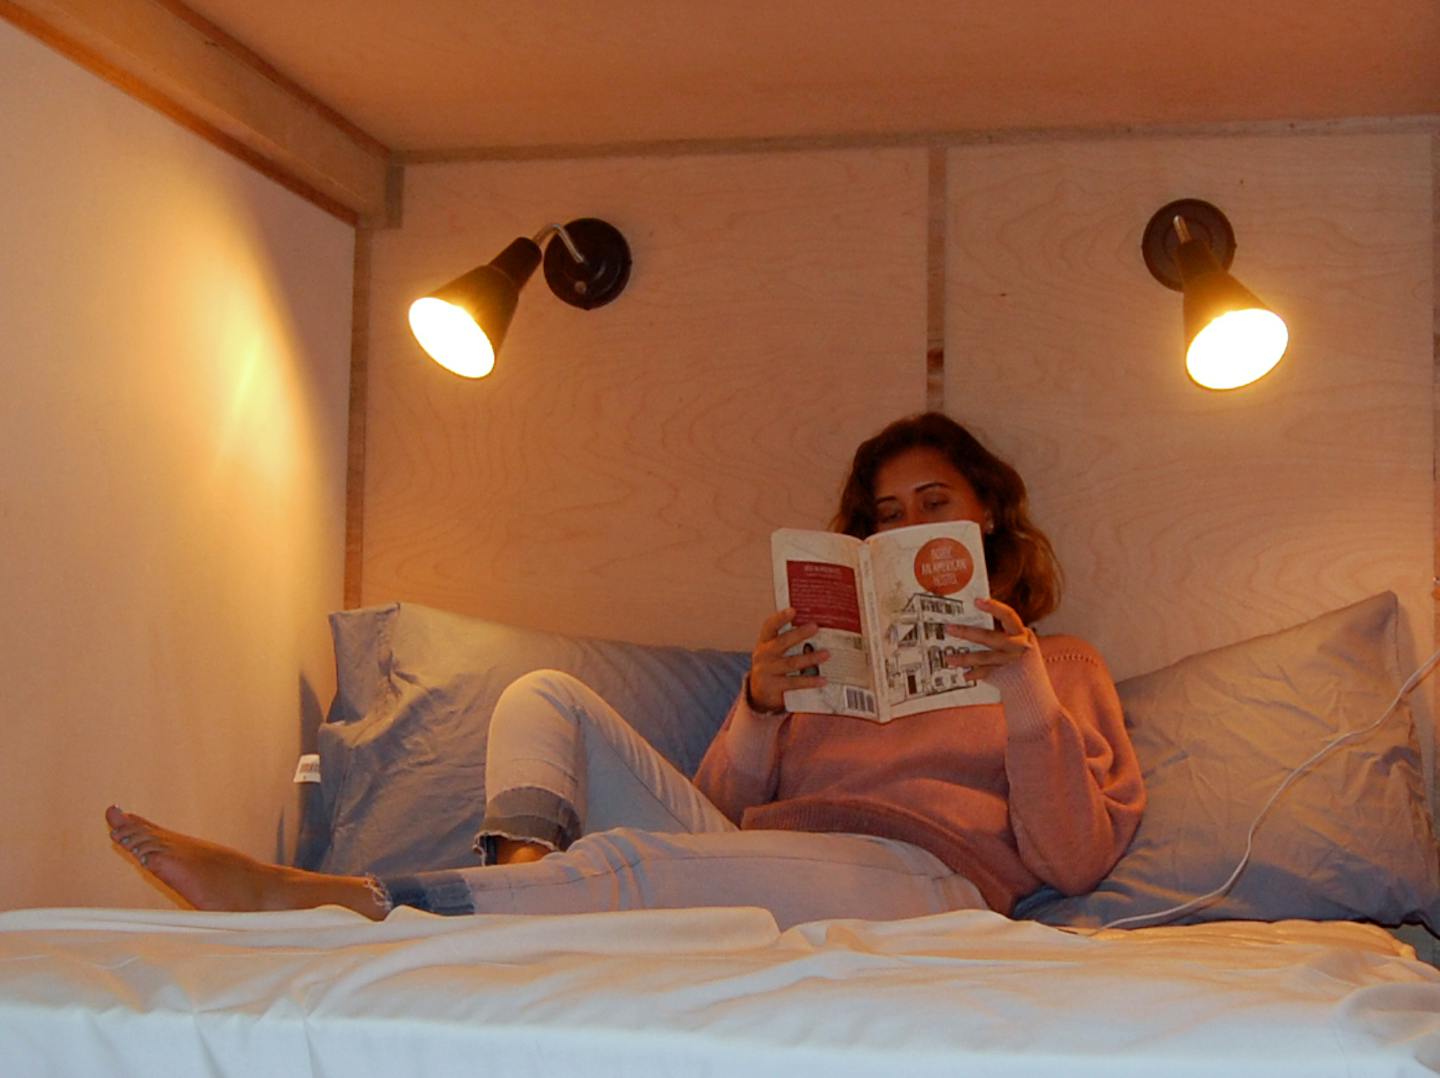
{"points": [[1335, 742]]}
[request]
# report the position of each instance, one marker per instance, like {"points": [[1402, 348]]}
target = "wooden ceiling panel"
{"points": [[485, 74]]}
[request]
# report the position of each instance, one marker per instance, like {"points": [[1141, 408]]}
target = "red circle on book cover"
{"points": [[943, 566]]}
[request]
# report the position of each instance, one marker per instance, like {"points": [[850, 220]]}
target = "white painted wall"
{"points": [[174, 340]]}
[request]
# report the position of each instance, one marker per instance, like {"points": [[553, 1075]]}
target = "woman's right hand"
{"points": [[772, 672]]}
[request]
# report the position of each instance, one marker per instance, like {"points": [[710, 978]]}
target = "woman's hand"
{"points": [[772, 672], [1009, 643]]}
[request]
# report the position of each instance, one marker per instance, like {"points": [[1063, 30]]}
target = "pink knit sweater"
{"points": [[1043, 788]]}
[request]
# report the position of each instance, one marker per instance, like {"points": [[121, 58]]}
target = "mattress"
{"points": [[325, 992]]}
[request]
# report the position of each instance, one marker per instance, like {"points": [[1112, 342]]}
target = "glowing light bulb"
{"points": [[1237, 348], [451, 337]]}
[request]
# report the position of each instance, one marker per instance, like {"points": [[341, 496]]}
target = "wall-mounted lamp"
{"points": [[1231, 337], [462, 325]]}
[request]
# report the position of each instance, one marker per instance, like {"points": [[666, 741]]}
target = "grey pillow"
{"points": [[402, 755], [1216, 733]]}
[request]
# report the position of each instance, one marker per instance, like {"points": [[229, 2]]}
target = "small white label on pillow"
{"points": [[307, 769]]}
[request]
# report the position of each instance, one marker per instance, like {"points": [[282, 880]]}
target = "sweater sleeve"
{"points": [[741, 767], [1076, 795]]}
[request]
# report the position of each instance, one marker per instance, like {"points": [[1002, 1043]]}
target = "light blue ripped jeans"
{"points": [[565, 770]]}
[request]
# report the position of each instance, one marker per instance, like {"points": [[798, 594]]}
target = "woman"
{"points": [[811, 816]]}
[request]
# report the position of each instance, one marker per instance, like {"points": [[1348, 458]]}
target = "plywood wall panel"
{"points": [[1188, 519], [620, 472]]}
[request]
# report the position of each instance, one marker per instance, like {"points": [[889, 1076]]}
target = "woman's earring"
{"points": [[989, 528]]}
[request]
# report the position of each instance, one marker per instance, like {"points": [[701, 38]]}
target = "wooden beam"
{"points": [[359, 409], [172, 59]]}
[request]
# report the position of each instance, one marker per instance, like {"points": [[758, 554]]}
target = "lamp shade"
{"points": [[1231, 337], [462, 324]]}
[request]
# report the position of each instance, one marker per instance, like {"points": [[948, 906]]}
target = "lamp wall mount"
{"points": [[590, 266], [1162, 239]]}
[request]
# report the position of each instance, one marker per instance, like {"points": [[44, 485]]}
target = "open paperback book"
{"points": [[887, 608]]}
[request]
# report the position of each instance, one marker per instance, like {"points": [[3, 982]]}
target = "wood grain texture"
{"points": [[620, 472], [1187, 519]]}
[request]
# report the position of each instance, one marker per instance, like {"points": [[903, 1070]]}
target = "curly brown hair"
{"points": [[1019, 558]]}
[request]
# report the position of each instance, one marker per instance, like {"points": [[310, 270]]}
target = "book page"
{"points": [[818, 574], [926, 580]]}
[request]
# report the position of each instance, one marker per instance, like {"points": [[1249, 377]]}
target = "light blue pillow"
{"points": [[1216, 733], [403, 751]]}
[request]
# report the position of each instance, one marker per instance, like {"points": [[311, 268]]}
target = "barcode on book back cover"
{"points": [[859, 700]]}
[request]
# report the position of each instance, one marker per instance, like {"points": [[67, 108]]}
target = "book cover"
{"points": [[888, 609]]}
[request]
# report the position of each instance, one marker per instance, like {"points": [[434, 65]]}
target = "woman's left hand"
{"points": [[1009, 643]]}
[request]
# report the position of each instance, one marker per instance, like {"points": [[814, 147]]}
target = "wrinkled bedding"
{"points": [[324, 992]]}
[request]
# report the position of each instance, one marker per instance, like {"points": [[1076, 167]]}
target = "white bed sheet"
{"points": [[719, 991]]}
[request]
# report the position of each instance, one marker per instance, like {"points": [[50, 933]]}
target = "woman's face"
{"points": [[921, 486]]}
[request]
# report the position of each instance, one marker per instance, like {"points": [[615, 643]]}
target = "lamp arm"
{"points": [[559, 230]]}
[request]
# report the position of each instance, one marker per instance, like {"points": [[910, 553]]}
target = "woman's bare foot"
{"points": [[214, 877]]}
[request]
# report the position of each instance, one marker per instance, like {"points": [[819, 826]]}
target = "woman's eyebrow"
{"points": [[940, 483]]}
